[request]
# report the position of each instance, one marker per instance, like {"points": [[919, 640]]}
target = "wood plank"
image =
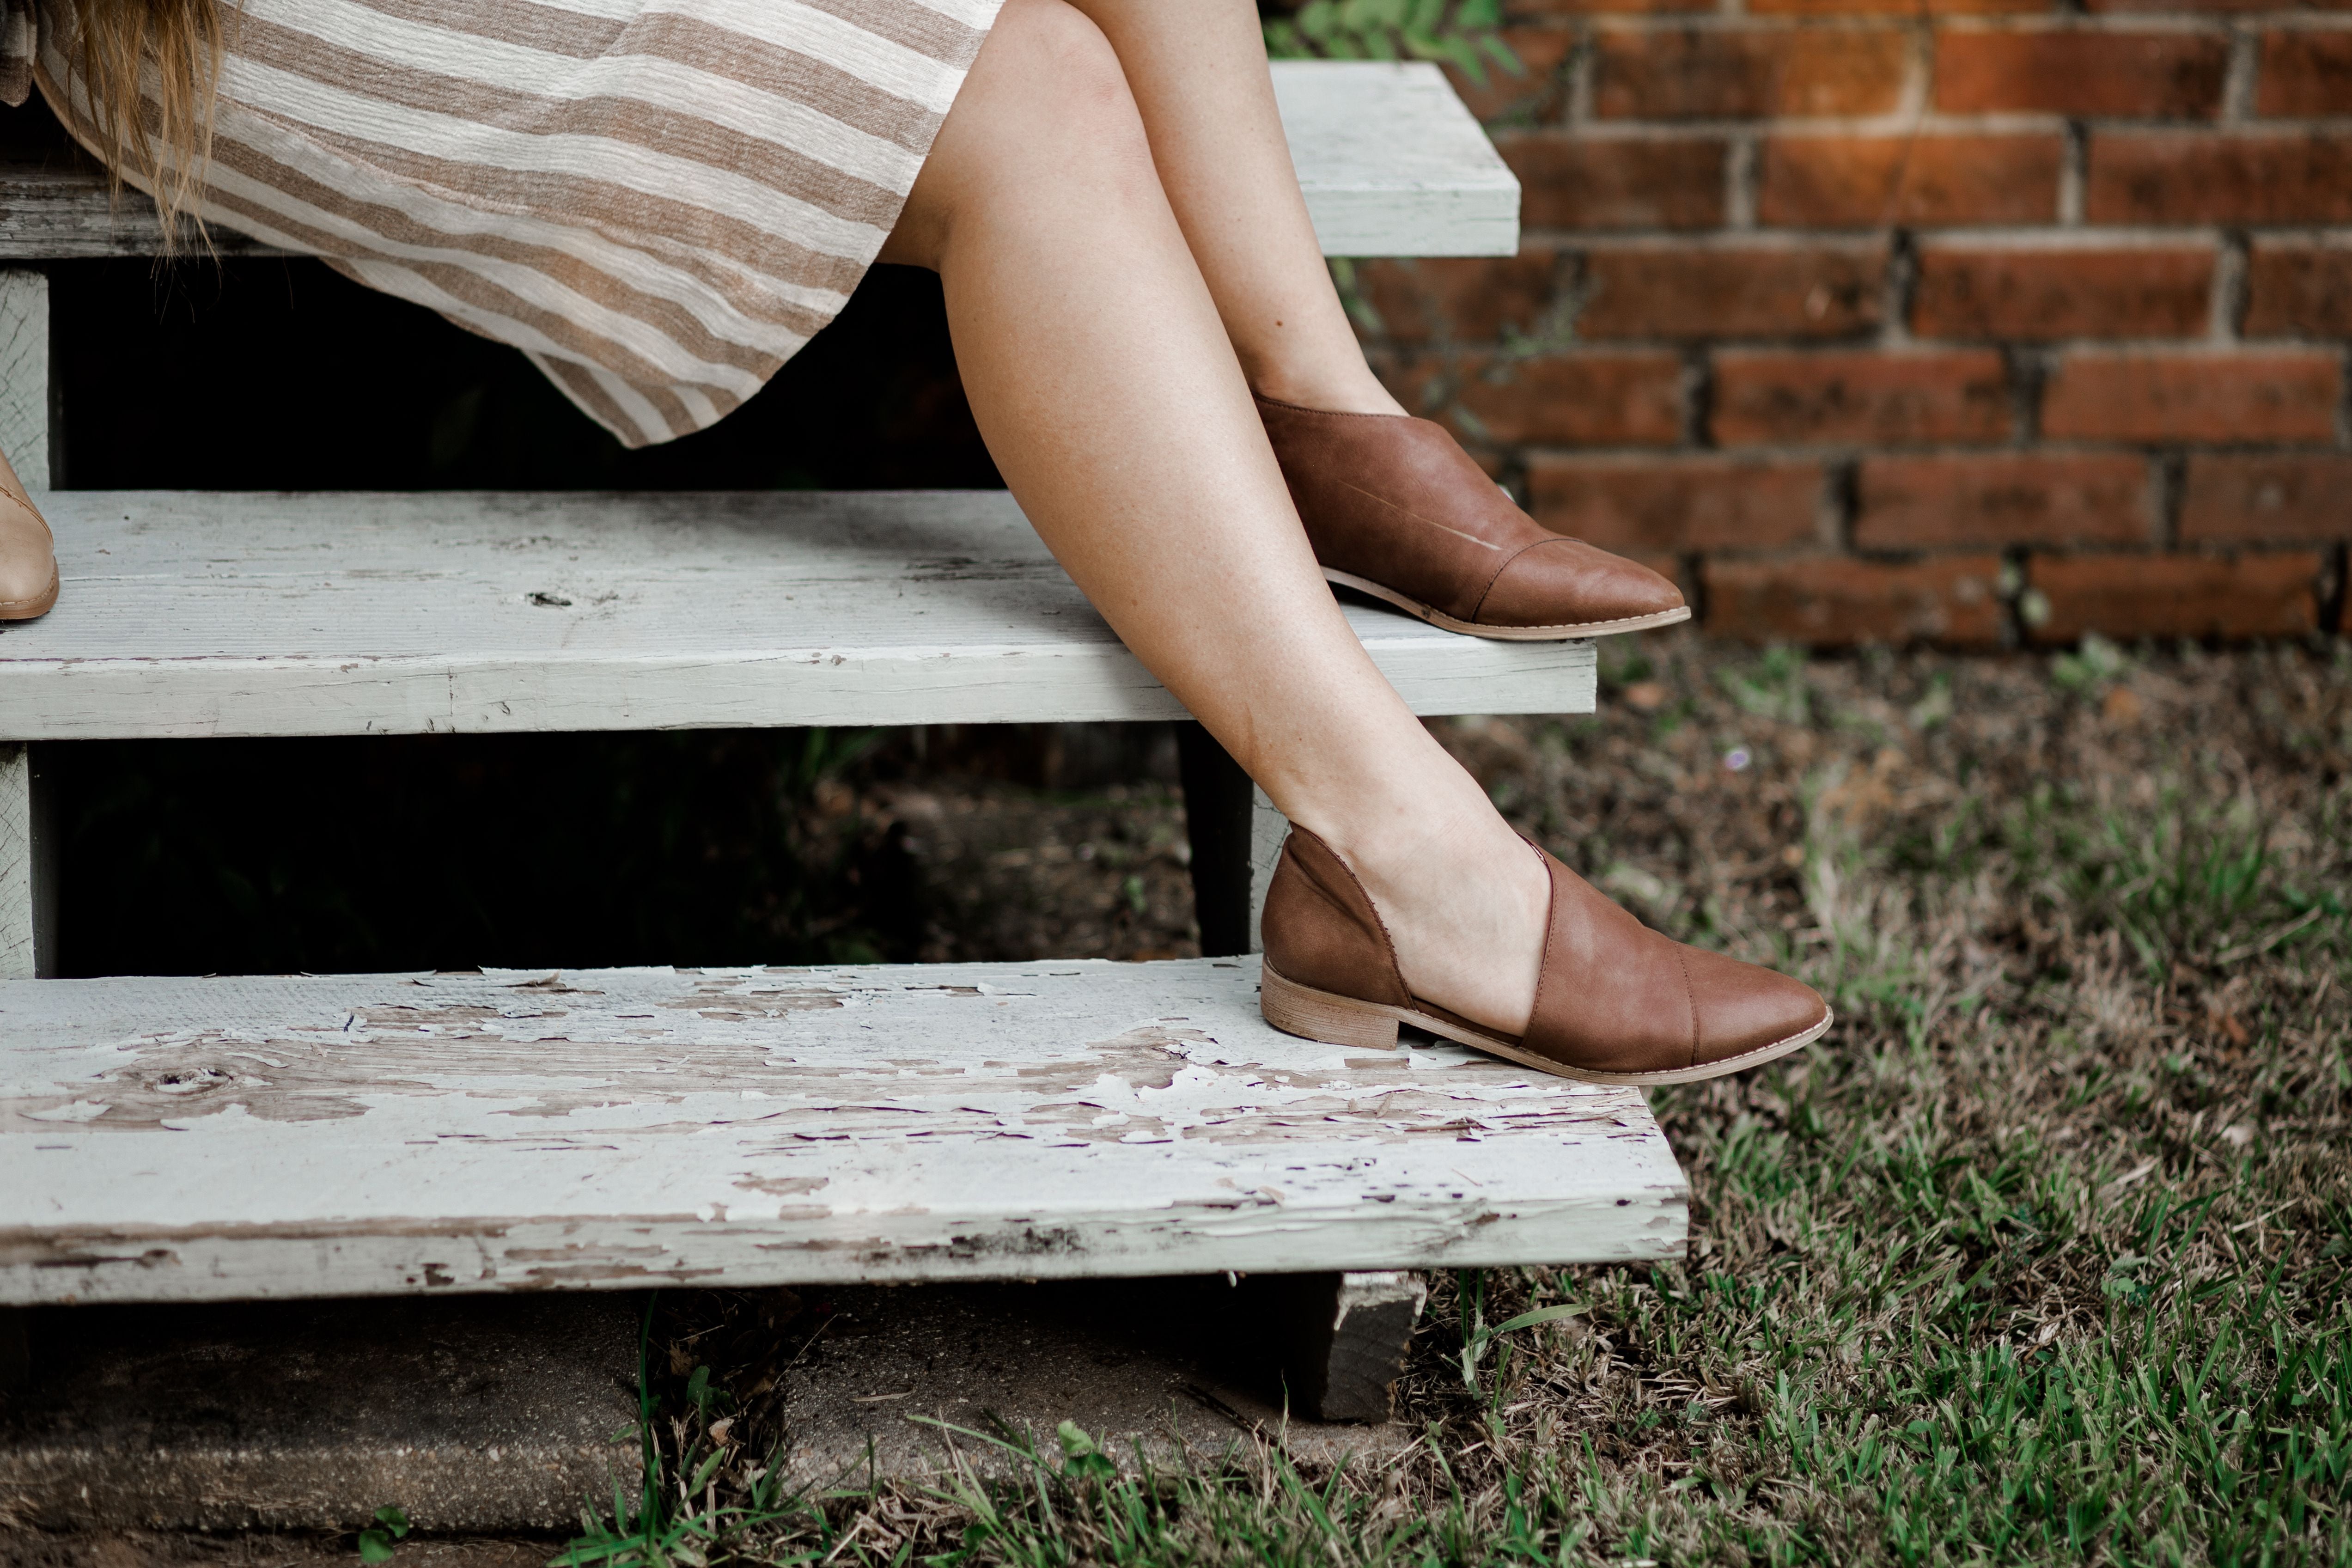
{"points": [[1391, 161], [214, 614], [224, 1139]]}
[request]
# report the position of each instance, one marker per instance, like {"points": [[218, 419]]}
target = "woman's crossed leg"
{"points": [[1109, 337]]}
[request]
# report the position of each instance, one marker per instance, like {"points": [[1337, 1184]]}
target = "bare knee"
{"points": [[1046, 103]]}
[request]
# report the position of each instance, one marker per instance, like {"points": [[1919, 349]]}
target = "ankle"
{"points": [[1329, 389], [1416, 863], [1466, 912]]}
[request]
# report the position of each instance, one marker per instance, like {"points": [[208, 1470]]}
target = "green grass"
{"points": [[2044, 1256]]}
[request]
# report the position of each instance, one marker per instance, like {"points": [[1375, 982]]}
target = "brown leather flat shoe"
{"points": [[1396, 509], [1616, 1001], [29, 558]]}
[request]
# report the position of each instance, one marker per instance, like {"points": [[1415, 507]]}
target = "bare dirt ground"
{"points": [[1015, 873]]}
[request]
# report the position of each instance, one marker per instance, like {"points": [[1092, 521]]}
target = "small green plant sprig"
{"points": [[391, 1525], [1460, 32], [678, 1521]]}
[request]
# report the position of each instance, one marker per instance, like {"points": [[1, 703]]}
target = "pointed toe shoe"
{"points": [[1396, 509], [1615, 1002]]}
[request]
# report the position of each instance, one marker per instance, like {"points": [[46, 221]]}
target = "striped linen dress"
{"points": [[658, 201]]}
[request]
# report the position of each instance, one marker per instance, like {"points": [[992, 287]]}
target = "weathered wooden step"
{"points": [[198, 613], [1391, 161], [225, 1139]]}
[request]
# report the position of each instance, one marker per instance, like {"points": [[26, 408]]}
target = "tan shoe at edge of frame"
{"points": [[28, 556], [1616, 1002], [1396, 509]]}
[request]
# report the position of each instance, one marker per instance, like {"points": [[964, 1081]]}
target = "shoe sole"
{"points": [[1336, 1020], [1437, 618], [34, 608]]}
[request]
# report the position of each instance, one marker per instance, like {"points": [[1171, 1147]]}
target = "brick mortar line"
{"points": [[1867, 341], [2231, 288], [2027, 368], [2048, 239], [1931, 122], [2238, 78], [2053, 241], [2167, 474], [2068, 15], [1579, 67], [1697, 389], [1902, 554], [2073, 174], [1785, 453], [1736, 241], [1839, 505], [1743, 182], [1699, 24], [2060, 446], [2343, 402], [1901, 290]]}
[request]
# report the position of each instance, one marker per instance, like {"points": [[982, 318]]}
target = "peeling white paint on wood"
{"points": [[1391, 161], [207, 614], [355, 1135]]}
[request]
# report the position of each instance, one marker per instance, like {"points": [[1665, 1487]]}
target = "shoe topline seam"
{"points": [[1327, 413]]}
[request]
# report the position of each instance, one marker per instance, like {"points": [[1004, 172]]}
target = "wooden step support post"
{"points": [[28, 844], [1344, 1340]]}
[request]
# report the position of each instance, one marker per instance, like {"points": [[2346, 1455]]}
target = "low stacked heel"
{"points": [[1297, 1009]]}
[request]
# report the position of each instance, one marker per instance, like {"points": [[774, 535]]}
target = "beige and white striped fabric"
{"points": [[658, 201]]}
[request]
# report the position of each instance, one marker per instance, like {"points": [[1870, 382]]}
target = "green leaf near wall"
{"points": [[1458, 32]]}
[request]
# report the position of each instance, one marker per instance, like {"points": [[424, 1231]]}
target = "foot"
{"points": [[1613, 1002], [1395, 508], [29, 563]]}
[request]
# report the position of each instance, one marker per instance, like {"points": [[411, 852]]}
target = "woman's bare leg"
{"points": [[1197, 68], [1107, 392]]}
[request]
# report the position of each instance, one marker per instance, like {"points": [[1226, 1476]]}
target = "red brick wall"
{"points": [[1967, 321]]}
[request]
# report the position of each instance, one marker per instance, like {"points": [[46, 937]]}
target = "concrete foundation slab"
{"points": [[272, 1549], [504, 1415], [481, 1414]]}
